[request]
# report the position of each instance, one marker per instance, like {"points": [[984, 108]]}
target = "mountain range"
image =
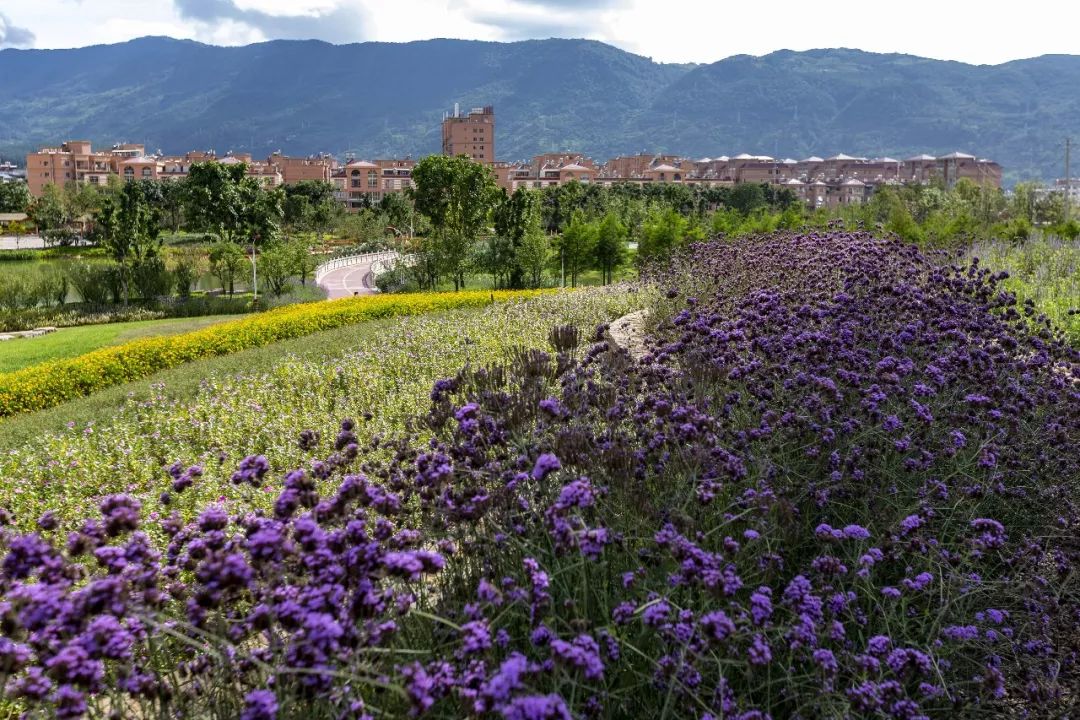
{"points": [[387, 99]]}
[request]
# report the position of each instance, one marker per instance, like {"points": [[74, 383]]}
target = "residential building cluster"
{"points": [[819, 182], [10, 172], [76, 161]]}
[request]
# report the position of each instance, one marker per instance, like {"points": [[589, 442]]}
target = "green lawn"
{"points": [[75, 341]]}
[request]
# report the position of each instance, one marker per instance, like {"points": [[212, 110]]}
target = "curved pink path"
{"points": [[348, 280]]}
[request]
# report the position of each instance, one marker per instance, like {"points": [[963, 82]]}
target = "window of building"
{"points": [[372, 179], [147, 172], [129, 173]]}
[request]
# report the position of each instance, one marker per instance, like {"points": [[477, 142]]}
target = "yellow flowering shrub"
{"points": [[48, 384]]}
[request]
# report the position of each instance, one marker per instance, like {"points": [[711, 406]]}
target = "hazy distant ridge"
{"points": [[382, 99]]}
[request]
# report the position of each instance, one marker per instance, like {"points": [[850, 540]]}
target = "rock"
{"points": [[628, 332]]}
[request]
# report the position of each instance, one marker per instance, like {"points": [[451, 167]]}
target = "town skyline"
{"points": [[471, 133]]}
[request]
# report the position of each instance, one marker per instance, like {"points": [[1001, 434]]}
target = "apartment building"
{"points": [[297, 169], [471, 134], [76, 161], [362, 183]]}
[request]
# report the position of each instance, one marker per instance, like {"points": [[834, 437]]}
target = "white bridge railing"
{"points": [[348, 260], [383, 264]]}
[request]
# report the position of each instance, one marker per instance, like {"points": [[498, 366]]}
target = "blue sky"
{"points": [[669, 30]]}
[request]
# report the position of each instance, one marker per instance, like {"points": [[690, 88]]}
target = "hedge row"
{"points": [[49, 384]]}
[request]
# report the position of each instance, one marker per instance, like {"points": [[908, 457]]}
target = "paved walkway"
{"points": [[349, 280]]}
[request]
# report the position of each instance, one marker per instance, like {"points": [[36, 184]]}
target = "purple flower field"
{"points": [[842, 482]]}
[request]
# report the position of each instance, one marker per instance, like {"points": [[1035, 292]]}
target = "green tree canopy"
{"points": [[456, 195], [214, 199], [51, 212], [577, 246], [130, 229], [610, 250], [14, 197], [227, 261], [514, 216]]}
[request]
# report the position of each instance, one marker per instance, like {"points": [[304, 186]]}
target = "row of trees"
{"points": [[566, 229], [935, 215]]}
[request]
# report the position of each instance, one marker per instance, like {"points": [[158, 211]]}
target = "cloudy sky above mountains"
{"points": [[666, 30]]}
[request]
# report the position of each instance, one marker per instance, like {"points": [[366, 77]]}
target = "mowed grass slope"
{"points": [[74, 341], [58, 381], [182, 384]]}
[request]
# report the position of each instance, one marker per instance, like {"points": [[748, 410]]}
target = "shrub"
{"points": [[188, 266], [28, 290], [91, 281], [151, 279]]}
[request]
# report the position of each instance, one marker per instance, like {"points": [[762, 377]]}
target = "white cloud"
{"points": [[13, 35], [339, 23], [667, 30]]}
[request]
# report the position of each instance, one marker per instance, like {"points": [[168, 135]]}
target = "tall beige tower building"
{"points": [[471, 134]]}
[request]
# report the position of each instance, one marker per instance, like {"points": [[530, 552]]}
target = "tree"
{"points": [[227, 260], [51, 213], [745, 198], [662, 232], [173, 197], [14, 197], [151, 278], [531, 255], [559, 204], [323, 216], [495, 256], [84, 199], [297, 214], [399, 211], [304, 263], [276, 265], [513, 217], [457, 195], [610, 251], [577, 246], [314, 191], [310, 205], [366, 228], [261, 212], [131, 230], [18, 229], [214, 201]]}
